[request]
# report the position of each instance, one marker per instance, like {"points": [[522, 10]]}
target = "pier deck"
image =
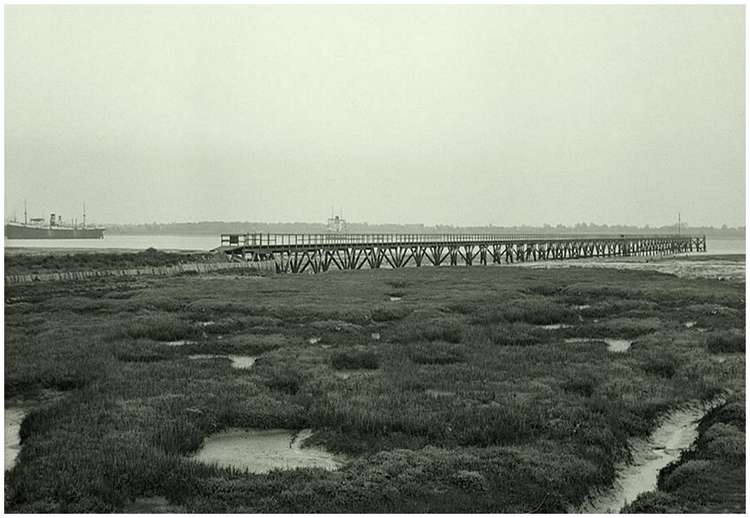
{"points": [[298, 253]]}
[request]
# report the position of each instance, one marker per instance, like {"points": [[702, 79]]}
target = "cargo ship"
{"points": [[39, 228]]}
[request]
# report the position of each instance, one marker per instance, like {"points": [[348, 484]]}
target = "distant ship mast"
{"points": [[336, 224]]}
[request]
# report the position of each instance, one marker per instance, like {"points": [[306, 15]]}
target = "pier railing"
{"points": [[261, 240]]}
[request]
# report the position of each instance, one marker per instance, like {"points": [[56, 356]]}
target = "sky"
{"points": [[463, 115]]}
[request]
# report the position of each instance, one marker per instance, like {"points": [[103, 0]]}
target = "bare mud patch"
{"points": [[261, 451], [238, 361], [178, 343], [614, 345], [554, 326], [13, 418]]}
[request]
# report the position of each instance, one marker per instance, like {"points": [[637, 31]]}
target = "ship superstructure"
{"points": [[54, 228]]}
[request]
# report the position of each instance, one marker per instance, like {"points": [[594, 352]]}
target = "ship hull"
{"points": [[27, 232]]}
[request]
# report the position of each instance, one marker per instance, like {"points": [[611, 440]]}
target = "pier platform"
{"points": [[297, 253]]}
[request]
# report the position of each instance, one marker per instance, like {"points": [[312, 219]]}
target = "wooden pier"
{"points": [[298, 253]]}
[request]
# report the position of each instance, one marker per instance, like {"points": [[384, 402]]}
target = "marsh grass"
{"points": [[163, 328], [726, 342], [530, 423], [355, 360], [437, 354]]}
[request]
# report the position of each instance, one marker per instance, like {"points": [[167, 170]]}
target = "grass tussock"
{"points": [[355, 360], [434, 329], [437, 354], [389, 313], [725, 342], [164, 328]]}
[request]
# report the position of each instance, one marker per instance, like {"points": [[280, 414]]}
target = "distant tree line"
{"points": [[240, 227]]}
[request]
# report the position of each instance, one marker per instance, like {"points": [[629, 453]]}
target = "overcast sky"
{"points": [[453, 114]]}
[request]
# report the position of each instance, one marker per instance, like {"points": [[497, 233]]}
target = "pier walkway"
{"points": [[298, 253]]}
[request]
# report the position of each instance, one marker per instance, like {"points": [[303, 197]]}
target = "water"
{"points": [[13, 417], [238, 362], [206, 242], [675, 434], [554, 326], [123, 242], [614, 345], [177, 343], [724, 246], [260, 451]]}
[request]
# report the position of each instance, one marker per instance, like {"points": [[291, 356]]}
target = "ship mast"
{"points": [[84, 215], [24, 213]]}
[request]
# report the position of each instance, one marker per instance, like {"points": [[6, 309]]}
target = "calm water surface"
{"points": [[211, 241]]}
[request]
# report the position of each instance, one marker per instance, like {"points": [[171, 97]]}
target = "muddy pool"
{"points": [[238, 361], [614, 345], [260, 451]]}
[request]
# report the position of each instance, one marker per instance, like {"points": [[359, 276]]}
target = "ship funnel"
{"points": [[52, 219]]}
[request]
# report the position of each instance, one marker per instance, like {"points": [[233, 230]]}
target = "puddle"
{"points": [[614, 345], [554, 326], [375, 336], [314, 340], [394, 299], [175, 343], [690, 324], [260, 451], [238, 362], [13, 417], [676, 433], [583, 306], [207, 323]]}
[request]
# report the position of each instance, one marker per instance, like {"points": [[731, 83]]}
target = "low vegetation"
{"points": [[54, 262], [463, 402]]}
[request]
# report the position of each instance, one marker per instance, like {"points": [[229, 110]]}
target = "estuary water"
{"points": [[121, 242], [210, 241]]}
